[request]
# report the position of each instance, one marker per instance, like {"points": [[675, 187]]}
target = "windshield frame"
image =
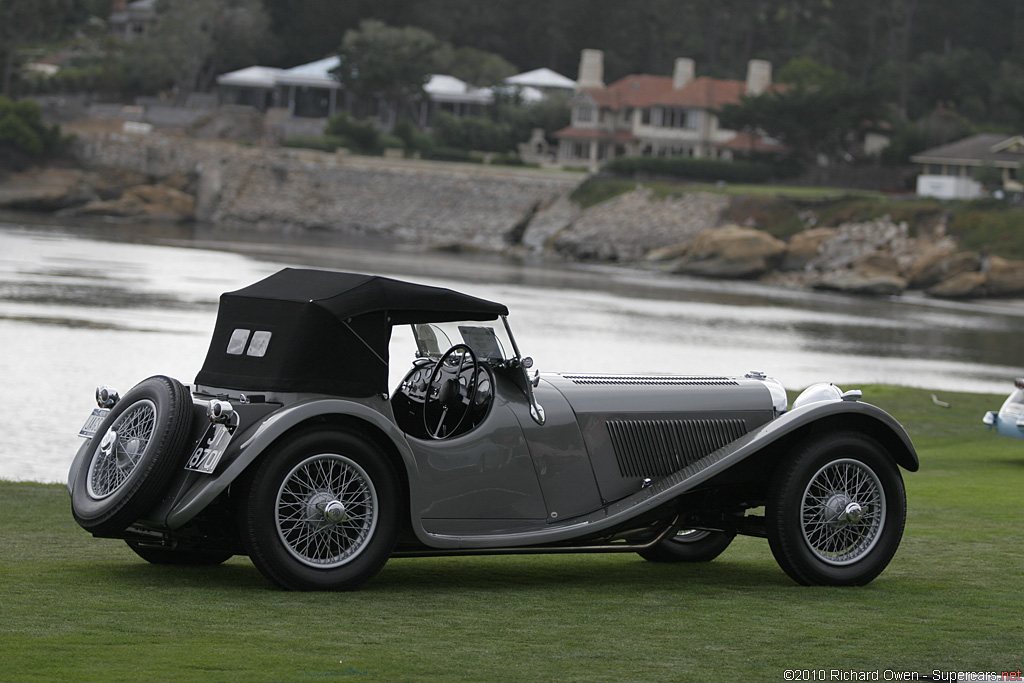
{"points": [[490, 340]]}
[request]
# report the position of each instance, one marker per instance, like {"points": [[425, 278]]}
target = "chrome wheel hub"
{"points": [[841, 510], [335, 513], [324, 508]]}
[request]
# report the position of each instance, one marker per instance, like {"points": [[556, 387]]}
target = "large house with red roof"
{"points": [[656, 115]]}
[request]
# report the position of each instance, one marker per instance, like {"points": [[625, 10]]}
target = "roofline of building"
{"points": [[960, 161]]}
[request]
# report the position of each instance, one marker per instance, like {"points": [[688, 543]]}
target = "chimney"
{"points": [[683, 73], [591, 69], [759, 76], [120, 6]]}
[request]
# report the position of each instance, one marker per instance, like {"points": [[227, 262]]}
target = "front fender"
{"points": [[873, 419], [246, 447]]}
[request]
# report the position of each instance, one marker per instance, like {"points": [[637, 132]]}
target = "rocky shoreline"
{"points": [[689, 235], [473, 208]]}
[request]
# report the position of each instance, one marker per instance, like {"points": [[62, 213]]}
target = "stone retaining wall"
{"points": [[418, 202]]}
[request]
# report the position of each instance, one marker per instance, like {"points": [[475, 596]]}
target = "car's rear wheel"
{"points": [[836, 511], [321, 511], [688, 545], [160, 555], [134, 453]]}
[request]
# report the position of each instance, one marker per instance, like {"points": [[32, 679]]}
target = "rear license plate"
{"points": [[210, 449], [93, 423]]}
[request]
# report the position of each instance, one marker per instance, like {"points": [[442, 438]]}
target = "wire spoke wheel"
{"points": [[836, 510], [843, 512], [327, 509], [121, 449], [321, 511]]}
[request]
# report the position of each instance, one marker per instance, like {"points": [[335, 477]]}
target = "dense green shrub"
{"points": [[363, 136], [413, 140], [390, 142], [24, 137], [692, 169], [473, 132]]}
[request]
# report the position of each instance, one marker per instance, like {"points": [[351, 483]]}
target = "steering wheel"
{"points": [[448, 401]]}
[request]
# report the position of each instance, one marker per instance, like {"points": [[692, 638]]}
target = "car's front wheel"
{"points": [[321, 511], [688, 545], [836, 511]]}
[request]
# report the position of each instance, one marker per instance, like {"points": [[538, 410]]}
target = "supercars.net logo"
{"points": [[891, 675]]}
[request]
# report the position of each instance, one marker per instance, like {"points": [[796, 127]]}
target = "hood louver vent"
{"points": [[654, 448], [651, 380]]}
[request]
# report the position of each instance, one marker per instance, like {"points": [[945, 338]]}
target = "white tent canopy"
{"points": [[542, 79]]}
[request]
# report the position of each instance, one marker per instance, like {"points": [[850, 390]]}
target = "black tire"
{"points": [[689, 545], [836, 510], [135, 451], [321, 511], [159, 555]]}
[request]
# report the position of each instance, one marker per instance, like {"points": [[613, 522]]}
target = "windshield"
{"points": [[489, 340]]}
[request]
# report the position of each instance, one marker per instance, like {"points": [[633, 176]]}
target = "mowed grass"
{"points": [[83, 609]]}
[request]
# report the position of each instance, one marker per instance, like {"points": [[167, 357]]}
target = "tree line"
{"points": [[935, 69]]}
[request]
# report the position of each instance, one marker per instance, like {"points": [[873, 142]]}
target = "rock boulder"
{"points": [[940, 263], [872, 273], [962, 286], [48, 189], [145, 202], [1005, 277], [804, 247], [731, 251]]}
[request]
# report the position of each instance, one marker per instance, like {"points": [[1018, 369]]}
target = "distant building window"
{"points": [[581, 150], [676, 117], [585, 113], [645, 116]]}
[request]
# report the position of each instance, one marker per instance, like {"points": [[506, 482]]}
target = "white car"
{"points": [[1009, 421]]}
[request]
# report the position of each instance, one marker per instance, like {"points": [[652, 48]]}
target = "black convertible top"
{"points": [[321, 331]]}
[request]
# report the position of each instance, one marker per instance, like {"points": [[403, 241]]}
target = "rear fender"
{"points": [[245, 448]]}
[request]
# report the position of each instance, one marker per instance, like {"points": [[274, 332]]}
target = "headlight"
{"points": [[817, 393]]}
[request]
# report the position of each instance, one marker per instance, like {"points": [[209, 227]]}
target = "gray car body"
{"points": [[513, 482]]}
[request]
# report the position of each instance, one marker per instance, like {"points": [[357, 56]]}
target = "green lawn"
{"points": [[77, 608]]}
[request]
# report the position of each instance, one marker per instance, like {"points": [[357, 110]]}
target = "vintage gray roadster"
{"points": [[289, 449]]}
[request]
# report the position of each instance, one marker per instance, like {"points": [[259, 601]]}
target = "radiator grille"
{"points": [[651, 380], [649, 448]]}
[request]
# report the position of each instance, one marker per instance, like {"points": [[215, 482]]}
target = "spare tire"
{"points": [[135, 451]]}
